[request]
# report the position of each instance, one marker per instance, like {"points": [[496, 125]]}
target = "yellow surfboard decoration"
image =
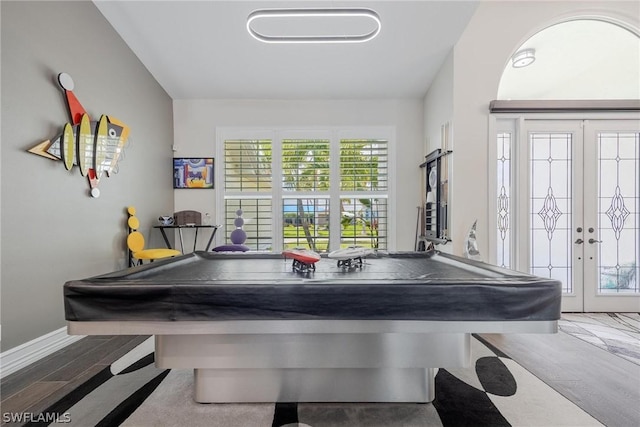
{"points": [[85, 145], [101, 146], [68, 146]]}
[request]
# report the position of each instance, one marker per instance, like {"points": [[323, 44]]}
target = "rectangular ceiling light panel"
{"points": [[334, 25]]}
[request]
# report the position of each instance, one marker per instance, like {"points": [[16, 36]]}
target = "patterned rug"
{"points": [[494, 391], [617, 333]]}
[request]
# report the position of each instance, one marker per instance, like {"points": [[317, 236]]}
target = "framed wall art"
{"points": [[193, 172]]}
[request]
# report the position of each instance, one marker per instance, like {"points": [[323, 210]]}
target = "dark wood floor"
{"points": [[602, 384], [36, 387]]}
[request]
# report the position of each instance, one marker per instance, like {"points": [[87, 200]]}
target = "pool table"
{"points": [[255, 330]]}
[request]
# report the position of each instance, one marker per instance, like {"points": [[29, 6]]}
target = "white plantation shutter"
{"points": [[321, 193]]}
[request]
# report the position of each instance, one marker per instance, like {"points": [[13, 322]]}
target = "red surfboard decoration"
{"points": [[304, 260], [303, 255]]}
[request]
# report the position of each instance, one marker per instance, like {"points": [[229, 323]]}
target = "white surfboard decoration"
{"points": [[351, 256]]}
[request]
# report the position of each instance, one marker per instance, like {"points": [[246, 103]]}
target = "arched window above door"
{"points": [[577, 60]]}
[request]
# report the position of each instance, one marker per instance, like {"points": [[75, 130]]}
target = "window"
{"points": [[248, 180], [247, 165], [317, 189], [364, 169], [305, 165], [503, 199]]}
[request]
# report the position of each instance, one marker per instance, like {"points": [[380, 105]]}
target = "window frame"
{"points": [[277, 134]]}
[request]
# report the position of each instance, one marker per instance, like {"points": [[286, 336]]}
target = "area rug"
{"points": [[617, 333], [494, 391]]}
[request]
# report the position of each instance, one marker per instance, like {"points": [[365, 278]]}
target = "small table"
{"points": [[195, 240]]}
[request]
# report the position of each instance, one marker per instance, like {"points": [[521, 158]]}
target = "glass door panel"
{"points": [[550, 216], [554, 211], [612, 216], [504, 198]]}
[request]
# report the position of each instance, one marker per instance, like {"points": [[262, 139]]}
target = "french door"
{"points": [[577, 211]]}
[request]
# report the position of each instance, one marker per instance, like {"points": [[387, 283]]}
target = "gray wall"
{"points": [[52, 231]]}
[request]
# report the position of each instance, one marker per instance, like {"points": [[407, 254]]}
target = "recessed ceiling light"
{"points": [[523, 57], [348, 35]]}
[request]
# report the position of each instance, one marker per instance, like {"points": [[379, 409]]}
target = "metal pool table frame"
{"points": [[312, 359]]}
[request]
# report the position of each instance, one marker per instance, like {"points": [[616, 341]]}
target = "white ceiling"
{"points": [[202, 50]]}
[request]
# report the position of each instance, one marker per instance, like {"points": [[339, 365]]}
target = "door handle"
{"points": [[579, 241], [592, 241]]}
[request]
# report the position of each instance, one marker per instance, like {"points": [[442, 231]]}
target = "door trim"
{"points": [[548, 106]]}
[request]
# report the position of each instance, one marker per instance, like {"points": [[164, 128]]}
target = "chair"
{"points": [[135, 243]]}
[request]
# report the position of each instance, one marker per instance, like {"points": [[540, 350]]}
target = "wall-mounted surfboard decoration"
{"points": [[95, 146]]}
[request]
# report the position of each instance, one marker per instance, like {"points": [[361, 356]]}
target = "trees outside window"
{"points": [[317, 193]]}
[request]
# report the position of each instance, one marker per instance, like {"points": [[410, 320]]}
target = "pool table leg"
{"points": [[314, 367], [314, 385]]}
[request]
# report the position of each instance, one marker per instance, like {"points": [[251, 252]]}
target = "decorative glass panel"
{"points": [[257, 222], [504, 190], [618, 212], [305, 165], [363, 165], [247, 165], [364, 223], [550, 214]]}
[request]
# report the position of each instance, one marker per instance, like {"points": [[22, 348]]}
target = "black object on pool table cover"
{"points": [[205, 286]]}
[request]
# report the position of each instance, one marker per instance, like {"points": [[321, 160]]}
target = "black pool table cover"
{"points": [[205, 286]]}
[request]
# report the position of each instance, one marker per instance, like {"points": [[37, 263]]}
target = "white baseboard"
{"points": [[25, 354]]}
